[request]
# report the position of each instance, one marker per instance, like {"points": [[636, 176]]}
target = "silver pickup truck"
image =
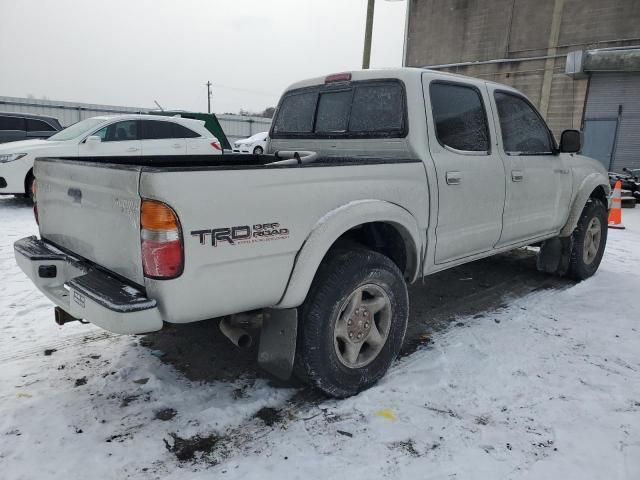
{"points": [[396, 174]]}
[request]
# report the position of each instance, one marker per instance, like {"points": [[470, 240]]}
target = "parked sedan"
{"points": [[122, 135], [24, 126], [255, 144]]}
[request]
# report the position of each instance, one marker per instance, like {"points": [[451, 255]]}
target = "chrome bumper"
{"points": [[84, 291]]}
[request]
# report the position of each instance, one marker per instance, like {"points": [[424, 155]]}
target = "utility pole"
{"points": [[366, 54], [208, 97]]}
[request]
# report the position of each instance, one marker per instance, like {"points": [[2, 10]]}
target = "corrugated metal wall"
{"points": [[235, 126], [616, 96], [67, 113]]}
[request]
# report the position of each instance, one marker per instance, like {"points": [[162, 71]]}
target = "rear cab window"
{"points": [[355, 109]]}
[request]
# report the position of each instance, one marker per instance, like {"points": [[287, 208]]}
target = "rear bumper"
{"points": [[86, 292]]}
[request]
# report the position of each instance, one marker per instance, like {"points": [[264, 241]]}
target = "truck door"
{"points": [[538, 182], [469, 170]]}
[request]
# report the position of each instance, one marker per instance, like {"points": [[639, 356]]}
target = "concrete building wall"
{"points": [[533, 36]]}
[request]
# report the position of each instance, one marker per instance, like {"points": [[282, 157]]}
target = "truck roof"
{"points": [[400, 73]]}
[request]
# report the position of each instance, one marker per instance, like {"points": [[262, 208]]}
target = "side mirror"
{"points": [[93, 140], [570, 141]]}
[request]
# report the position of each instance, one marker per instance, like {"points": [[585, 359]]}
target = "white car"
{"points": [[121, 135], [256, 144]]}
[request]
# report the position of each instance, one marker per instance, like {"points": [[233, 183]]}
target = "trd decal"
{"points": [[241, 234]]}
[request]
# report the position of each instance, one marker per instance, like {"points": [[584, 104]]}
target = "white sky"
{"points": [[130, 52]]}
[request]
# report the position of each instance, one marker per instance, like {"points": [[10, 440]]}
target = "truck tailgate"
{"points": [[92, 210]]}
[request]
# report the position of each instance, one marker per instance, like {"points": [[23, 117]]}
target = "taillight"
{"points": [[216, 145], [161, 239]]}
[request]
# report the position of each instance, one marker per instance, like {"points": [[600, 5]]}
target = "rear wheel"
{"points": [[589, 241], [352, 323]]}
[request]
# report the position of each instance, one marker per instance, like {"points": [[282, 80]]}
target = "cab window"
{"points": [[459, 117], [359, 109], [523, 130]]}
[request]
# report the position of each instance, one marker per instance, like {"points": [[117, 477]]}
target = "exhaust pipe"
{"points": [[238, 336]]}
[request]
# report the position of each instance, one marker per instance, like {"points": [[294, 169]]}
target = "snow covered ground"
{"points": [[548, 386]]}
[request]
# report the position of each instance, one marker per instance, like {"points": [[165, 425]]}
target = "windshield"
{"points": [[77, 129]]}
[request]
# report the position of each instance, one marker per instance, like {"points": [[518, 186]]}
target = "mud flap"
{"points": [[555, 255], [278, 341]]}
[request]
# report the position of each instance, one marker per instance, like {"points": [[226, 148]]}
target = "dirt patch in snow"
{"points": [[213, 447], [270, 416]]}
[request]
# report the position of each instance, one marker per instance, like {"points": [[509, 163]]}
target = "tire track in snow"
{"points": [[68, 342]]}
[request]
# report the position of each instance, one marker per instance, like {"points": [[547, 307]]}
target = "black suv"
{"points": [[25, 126]]}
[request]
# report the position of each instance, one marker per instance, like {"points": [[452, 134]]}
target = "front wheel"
{"points": [[28, 186], [352, 323], [589, 241], [258, 151]]}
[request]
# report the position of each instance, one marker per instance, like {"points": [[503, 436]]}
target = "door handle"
{"points": [[453, 178], [132, 149], [176, 145], [517, 175]]}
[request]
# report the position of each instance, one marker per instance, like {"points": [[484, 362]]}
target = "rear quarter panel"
{"points": [[224, 279]]}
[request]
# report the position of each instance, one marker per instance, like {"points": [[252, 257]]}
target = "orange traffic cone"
{"points": [[615, 214]]}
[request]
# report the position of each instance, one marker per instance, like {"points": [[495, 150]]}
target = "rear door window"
{"points": [[34, 125], [156, 130], [459, 117], [11, 123]]}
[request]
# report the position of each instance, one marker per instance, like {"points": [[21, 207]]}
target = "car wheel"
{"points": [[28, 186], [352, 323], [589, 241], [258, 151]]}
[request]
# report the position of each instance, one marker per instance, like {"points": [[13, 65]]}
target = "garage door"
{"points": [[612, 120]]}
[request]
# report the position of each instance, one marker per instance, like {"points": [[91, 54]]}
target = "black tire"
{"points": [[579, 269], [28, 185], [258, 151], [338, 277]]}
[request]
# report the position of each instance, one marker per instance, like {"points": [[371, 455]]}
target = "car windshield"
{"points": [[77, 129]]}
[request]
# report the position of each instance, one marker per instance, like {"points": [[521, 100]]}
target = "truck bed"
{"points": [[226, 161], [91, 207]]}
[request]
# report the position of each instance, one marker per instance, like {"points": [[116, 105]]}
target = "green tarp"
{"points": [[211, 123]]}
